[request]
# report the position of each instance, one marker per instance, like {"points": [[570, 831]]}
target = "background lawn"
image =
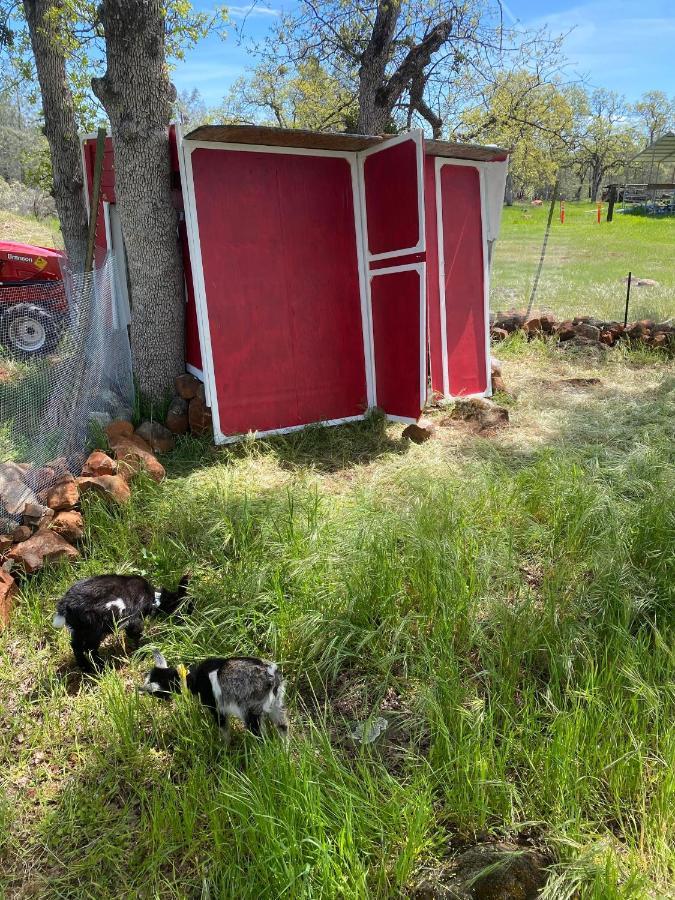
{"points": [[585, 262]]}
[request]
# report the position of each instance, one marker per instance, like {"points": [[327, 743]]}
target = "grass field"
{"points": [[28, 230], [506, 603], [585, 263]]}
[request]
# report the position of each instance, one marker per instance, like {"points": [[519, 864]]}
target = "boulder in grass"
{"points": [[7, 593], [177, 420], [6, 543], [99, 463], [44, 546], [112, 486], [160, 439], [63, 495], [420, 432], [187, 386], [69, 525], [132, 459], [498, 334]]}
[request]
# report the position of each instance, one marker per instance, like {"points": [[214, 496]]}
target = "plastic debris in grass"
{"points": [[369, 731]]}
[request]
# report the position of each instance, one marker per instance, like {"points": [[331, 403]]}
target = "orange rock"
{"points": [[160, 439], [117, 429], [199, 415], [7, 593], [41, 548], [133, 459], [113, 486], [187, 386], [420, 432], [69, 525], [64, 495], [99, 463]]}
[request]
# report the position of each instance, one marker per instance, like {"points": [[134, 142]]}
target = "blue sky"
{"points": [[625, 45]]}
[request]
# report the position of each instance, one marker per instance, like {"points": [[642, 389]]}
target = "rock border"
{"points": [[581, 329]]}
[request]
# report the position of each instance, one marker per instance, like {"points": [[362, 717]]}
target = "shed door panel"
{"points": [[280, 266], [463, 279], [393, 197], [397, 302], [393, 192]]}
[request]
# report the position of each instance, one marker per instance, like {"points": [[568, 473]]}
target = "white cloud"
{"points": [[252, 9]]}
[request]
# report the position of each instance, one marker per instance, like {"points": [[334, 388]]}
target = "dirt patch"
{"points": [[579, 383], [492, 870]]}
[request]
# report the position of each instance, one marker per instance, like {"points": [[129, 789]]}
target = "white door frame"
{"points": [[481, 168]]}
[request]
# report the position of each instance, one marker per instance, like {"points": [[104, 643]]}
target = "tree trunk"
{"points": [[508, 189], [596, 180], [373, 111], [60, 128], [379, 94], [137, 96]]}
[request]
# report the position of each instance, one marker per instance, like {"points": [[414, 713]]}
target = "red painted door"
{"points": [[279, 257], [463, 279], [393, 191]]}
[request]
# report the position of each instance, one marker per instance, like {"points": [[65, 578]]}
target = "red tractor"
{"points": [[33, 300]]}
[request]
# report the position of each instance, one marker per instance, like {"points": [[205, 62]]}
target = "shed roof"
{"points": [[323, 140], [661, 150]]}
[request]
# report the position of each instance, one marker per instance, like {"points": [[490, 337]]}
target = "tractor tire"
{"points": [[28, 331]]}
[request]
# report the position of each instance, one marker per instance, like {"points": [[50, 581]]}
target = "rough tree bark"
{"points": [[508, 188], [137, 95], [378, 94], [60, 127]]}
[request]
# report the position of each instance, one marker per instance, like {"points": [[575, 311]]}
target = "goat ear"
{"points": [[160, 662]]}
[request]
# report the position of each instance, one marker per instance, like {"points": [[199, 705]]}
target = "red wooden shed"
{"points": [[329, 273]]}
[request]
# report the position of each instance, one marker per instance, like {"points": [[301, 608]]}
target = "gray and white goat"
{"points": [[249, 688]]}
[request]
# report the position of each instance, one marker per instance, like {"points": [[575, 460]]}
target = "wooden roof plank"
{"points": [[319, 140]]}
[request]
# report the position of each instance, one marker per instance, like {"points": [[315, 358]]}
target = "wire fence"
{"points": [[65, 372], [586, 263]]}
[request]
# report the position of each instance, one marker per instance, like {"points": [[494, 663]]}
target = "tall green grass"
{"points": [[511, 616]]}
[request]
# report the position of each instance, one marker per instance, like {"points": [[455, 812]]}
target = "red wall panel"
{"points": [[390, 177], [395, 299], [278, 247], [463, 265]]}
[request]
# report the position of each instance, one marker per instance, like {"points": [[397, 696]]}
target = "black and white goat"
{"points": [[243, 686], [95, 607]]}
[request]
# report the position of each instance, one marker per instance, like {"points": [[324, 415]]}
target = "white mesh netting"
{"points": [[65, 372]]}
